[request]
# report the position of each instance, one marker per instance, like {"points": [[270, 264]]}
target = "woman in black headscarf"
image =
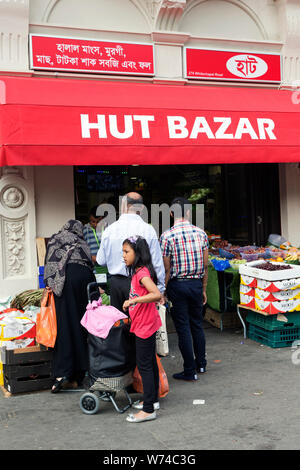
{"points": [[68, 270]]}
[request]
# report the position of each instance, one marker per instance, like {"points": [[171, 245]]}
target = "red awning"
{"points": [[86, 122]]}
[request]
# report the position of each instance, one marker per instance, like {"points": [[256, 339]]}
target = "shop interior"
{"points": [[241, 201]]}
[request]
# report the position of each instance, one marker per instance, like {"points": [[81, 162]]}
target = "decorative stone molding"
{"points": [[18, 258], [239, 4], [11, 170], [12, 197], [162, 14], [170, 14], [168, 37], [49, 8], [14, 28], [289, 16], [14, 248]]}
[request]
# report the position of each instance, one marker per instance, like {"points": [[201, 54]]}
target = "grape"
{"points": [[272, 267]]}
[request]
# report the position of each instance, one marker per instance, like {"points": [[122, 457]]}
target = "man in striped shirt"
{"points": [[91, 236], [185, 254]]}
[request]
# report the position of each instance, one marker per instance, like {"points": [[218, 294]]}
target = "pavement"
{"points": [[247, 400]]}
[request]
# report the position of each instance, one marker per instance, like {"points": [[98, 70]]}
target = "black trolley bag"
{"points": [[111, 363]]}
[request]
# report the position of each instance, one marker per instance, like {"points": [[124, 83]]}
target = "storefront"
{"points": [[184, 134], [159, 129], [236, 199]]}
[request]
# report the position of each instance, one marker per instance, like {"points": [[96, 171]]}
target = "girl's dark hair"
{"points": [[142, 256]]}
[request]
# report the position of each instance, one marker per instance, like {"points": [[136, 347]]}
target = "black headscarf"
{"points": [[66, 246]]}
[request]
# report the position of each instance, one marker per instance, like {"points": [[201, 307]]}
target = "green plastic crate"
{"points": [[274, 339], [270, 322]]}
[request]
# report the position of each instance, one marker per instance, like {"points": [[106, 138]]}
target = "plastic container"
{"points": [[248, 247], [250, 256], [271, 323], [41, 281], [276, 240], [274, 339], [225, 254]]}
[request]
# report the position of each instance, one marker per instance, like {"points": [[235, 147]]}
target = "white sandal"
{"points": [[131, 418]]}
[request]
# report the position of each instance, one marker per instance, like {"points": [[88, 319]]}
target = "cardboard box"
{"points": [[281, 295], [247, 300], [278, 285], [248, 281], [16, 327], [246, 290], [252, 269], [273, 308], [17, 343]]}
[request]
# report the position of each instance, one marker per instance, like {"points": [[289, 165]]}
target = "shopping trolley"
{"points": [[111, 363]]}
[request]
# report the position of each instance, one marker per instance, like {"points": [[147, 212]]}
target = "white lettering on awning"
{"points": [[138, 125], [125, 123]]}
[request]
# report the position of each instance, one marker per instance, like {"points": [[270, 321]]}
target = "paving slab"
{"points": [[247, 400]]}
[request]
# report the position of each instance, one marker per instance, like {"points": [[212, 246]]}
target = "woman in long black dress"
{"points": [[68, 270]]}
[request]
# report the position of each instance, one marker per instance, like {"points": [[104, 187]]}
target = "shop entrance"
{"points": [[241, 202]]}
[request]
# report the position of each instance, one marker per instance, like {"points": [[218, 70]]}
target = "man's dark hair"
{"points": [[182, 205], [93, 212]]}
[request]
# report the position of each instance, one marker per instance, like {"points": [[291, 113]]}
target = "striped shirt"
{"points": [[184, 243], [92, 238]]}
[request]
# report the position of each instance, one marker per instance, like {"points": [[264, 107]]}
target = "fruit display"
{"points": [[272, 267], [198, 194], [223, 249]]}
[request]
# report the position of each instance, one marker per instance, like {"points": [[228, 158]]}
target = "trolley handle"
{"points": [[91, 287]]}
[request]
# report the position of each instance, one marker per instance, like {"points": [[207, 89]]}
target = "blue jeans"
{"points": [[186, 311]]}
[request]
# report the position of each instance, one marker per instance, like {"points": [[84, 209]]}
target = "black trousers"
{"points": [[119, 291], [186, 311], [147, 365]]}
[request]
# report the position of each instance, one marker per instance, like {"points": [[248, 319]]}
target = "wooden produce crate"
{"points": [[222, 320], [27, 369]]}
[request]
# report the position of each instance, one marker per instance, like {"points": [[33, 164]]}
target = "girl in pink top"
{"points": [[145, 321]]}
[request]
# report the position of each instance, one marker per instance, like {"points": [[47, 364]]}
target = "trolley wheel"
{"points": [[89, 403]]}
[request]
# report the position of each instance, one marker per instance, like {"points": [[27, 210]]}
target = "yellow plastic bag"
{"points": [[46, 327]]}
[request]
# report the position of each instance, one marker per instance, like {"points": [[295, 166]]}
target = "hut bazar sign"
{"points": [[138, 126], [203, 64], [83, 55]]}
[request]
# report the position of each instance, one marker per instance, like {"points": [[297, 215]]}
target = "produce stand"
{"points": [[222, 297], [225, 260], [223, 289], [270, 292], [25, 365]]}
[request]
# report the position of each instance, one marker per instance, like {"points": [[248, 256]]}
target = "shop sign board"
{"points": [[90, 56], [45, 121], [207, 64]]}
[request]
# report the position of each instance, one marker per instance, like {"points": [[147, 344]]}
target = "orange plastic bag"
{"points": [[163, 388], [46, 327]]}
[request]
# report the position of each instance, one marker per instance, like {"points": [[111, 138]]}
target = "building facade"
{"points": [[35, 201]]}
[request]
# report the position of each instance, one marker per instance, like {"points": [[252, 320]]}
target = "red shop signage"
{"points": [[205, 64], [84, 55]]}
